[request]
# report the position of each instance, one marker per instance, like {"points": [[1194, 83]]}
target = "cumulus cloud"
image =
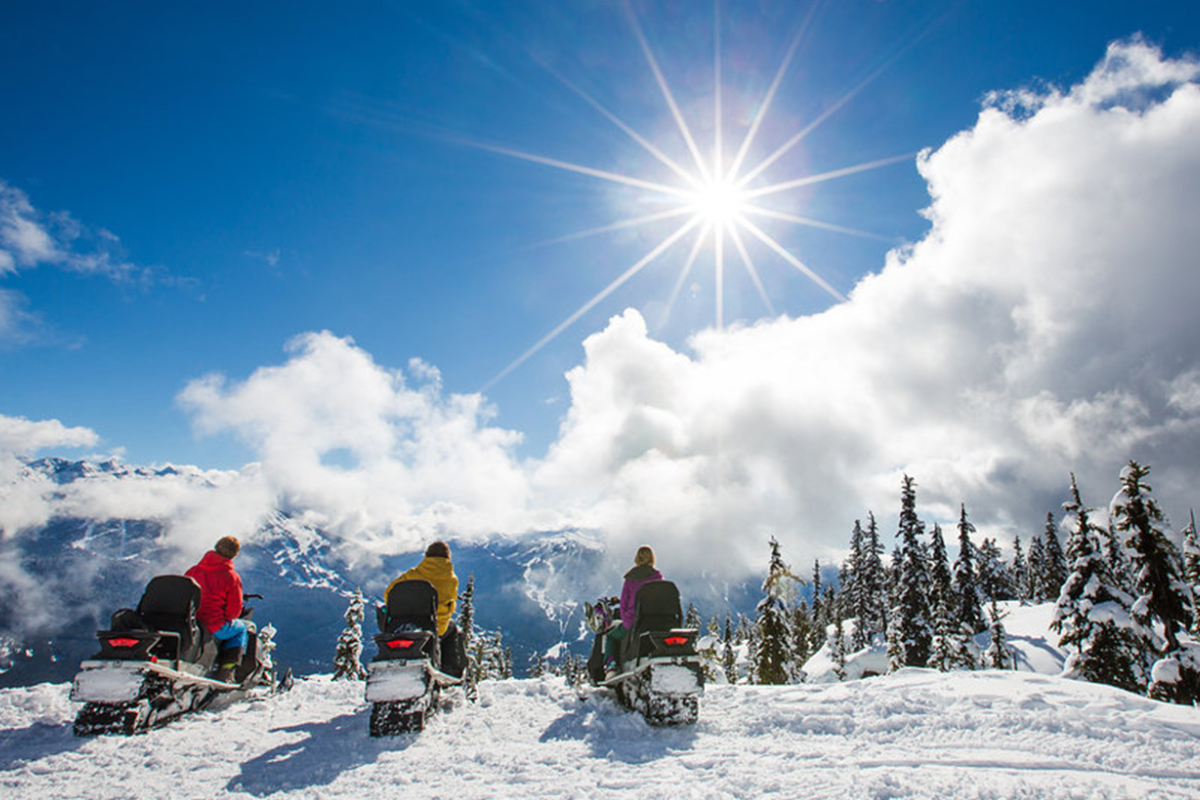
{"points": [[381, 463], [1045, 324]]}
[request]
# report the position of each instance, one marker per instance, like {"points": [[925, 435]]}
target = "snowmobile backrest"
{"points": [[411, 603], [170, 603], [656, 607]]}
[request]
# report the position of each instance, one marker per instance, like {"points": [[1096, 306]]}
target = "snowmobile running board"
{"points": [[157, 668]]}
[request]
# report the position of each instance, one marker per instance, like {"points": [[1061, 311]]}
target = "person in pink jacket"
{"points": [[221, 604], [642, 573]]}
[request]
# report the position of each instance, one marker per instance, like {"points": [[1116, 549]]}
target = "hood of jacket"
{"points": [[641, 572]]}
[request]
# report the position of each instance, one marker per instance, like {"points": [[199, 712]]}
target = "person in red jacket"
{"points": [[221, 604]]}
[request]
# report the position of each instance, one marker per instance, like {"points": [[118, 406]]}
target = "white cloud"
{"points": [[385, 465], [1046, 324], [25, 437]]}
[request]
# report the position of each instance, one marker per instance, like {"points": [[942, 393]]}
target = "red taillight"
{"points": [[400, 644], [675, 641], [123, 642]]}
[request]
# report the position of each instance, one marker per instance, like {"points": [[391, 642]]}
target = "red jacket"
{"points": [[220, 590]]}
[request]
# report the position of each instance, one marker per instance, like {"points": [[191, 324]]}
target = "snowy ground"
{"points": [[915, 734]]}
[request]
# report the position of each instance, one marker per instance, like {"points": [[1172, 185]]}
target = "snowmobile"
{"points": [[155, 664], [405, 678], [659, 674]]}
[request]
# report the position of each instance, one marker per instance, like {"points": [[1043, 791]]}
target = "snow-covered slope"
{"points": [[912, 734]]}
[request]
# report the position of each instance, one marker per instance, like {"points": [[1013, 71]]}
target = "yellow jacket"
{"points": [[440, 573]]}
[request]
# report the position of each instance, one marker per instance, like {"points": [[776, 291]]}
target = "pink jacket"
{"points": [[634, 580]]}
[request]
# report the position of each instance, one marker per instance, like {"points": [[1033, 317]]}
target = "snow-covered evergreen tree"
{"points": [[347, 663], [1019, 574], [912, 614], [1092, 614], [692, 617], [1054, 564], [803, 623], [729, 652], [1191, 568], [994, 581], [837, 648], [773, 651], [871, 586], [1035, 565], [1164, 607], [537, 665], [967, 607], [999, 654], [966, 583], [820, 614], [941, 599]]}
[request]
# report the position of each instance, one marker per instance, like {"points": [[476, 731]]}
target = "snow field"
{"points": [[913, 734]]}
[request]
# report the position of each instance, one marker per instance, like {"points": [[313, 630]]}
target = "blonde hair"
{"points": [[644, 557]]}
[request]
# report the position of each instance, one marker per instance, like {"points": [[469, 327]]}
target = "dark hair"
{"points": [[438, 550], [227, 546]]}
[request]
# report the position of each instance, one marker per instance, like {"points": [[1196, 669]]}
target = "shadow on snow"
{"points": [[617, 734], [19, 746], [330, 749]]}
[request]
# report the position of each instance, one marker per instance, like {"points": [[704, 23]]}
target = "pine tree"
{"points": [[820, 615], [537, 665], [1054, 566], [692, 618], [802, 622], [999, 654], [967, 608], [729, 653], [871, 586], [774, 647], [851, 572], [1019, 575], [1092, 614], [346, 659], [838, 648], [913, 612], [1164, 602], [994, 580], [1191, 568], [941, 598], [1035, 588]]}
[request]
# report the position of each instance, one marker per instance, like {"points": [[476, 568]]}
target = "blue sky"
{"points": [[210, 182], [281, 168]]}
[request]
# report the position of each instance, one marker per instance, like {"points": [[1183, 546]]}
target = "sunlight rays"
{"points": [[716, 201]]}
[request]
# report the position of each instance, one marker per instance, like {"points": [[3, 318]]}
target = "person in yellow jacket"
{"points": [[437, 569]]}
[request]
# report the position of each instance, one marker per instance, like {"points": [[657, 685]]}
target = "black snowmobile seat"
{"points": [[656, 607], [169, 604], [411, 603]]}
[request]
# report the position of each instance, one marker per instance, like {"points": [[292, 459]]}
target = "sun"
{"points": [[720, 203], [713, 199]]}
